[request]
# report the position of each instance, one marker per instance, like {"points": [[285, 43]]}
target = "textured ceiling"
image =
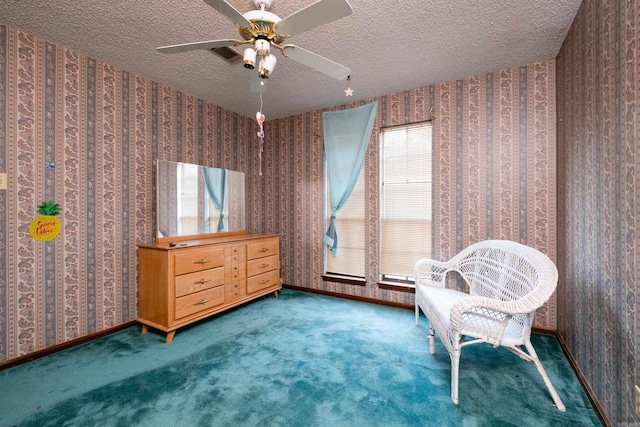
{"points": [[390, 46]]}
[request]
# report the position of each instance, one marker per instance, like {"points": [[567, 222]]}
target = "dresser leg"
{"points": [[145, 329], [275, 294], [170, 336]]}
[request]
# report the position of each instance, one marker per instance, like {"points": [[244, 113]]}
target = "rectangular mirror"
{"points": [[194, 200]]}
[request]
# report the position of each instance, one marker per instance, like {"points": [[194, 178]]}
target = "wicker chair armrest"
{"points": [[470, 303], [431, 272], [483, 317]]}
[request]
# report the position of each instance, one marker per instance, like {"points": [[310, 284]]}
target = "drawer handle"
{"points": [[263, 250], [263, 266], [204, 261], [262, 282], [204, 301], [203, 281]]}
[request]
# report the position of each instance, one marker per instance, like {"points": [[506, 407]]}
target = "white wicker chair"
{"points": [[507, 282]]}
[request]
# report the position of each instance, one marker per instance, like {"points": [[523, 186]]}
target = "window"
{"points": [[406, 207], [349, 258]]}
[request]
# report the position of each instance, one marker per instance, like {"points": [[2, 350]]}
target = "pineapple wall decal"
{"points": [[46, 226]]}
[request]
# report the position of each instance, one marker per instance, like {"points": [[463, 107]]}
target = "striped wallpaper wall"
{"points": [[494, 178], [494, 174], [103, 127], [598, 201]]}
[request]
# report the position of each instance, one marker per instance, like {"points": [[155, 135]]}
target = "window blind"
{"points": [[406, 205]]}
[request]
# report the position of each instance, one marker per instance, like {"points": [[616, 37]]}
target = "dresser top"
{"points": [[168, 244]]}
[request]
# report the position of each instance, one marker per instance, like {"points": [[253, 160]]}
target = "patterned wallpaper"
{"points": [[598, 145], [494, 174], [104, 127]]}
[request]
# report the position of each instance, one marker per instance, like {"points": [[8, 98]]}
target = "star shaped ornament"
{"points": [[348, 91]]}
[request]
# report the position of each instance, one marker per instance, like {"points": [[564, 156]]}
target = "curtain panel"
{"points": [[346, 136]]}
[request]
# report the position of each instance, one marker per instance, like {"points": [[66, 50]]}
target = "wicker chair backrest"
{"points": [[506, 271], [497, 274]]}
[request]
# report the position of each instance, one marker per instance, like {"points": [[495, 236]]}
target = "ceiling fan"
{"points": [[267, 32]]}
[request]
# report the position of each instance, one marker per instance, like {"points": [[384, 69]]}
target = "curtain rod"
{"points": [[407, 124], [431, 118]]}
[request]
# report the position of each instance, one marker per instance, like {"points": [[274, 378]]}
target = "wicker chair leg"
{"points": [[432, 341], [455, 364], [554, 394], [417, 315]]}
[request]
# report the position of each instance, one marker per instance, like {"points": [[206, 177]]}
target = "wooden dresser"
{"points": [[195, 279]]}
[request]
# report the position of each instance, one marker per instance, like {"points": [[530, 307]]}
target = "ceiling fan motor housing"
{"points": [[264, 26]]}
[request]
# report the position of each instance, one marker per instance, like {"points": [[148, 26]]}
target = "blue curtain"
{"points": [[215, 181], [346, 138]]}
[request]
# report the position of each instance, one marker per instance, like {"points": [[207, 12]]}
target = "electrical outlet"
{"points": [[637, 394]]}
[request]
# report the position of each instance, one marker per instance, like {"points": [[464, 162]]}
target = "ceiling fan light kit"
{"points": [[266, 31], [267, 64], [249, 58]]}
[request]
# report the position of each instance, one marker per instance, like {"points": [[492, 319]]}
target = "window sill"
{"points": [[409, 288], [349, 280]]}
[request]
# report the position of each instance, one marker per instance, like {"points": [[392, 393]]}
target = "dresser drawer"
{"points": [[262, 248], [197, 260], [199, 281], [262, 265], [262, 281], [199, 301]]}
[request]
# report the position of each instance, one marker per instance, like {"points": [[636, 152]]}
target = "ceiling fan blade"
{"points": [[229, 11], [317, 62], [186, 47], [314, 15]]}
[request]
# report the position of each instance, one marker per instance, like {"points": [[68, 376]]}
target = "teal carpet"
{"points": [[299, 360]]}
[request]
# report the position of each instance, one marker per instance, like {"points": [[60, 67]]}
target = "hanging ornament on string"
{"points": [[260, 118], [348, 91]]}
